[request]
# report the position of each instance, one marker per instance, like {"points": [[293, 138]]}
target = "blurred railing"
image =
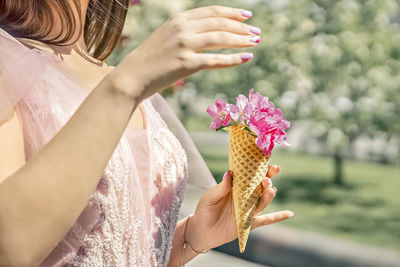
{"points": [[278, 246]]}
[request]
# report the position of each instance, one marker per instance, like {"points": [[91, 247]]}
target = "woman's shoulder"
{"points": [[16, 48], [9, 46], [12, 45], [6, 36], [20, 69]]}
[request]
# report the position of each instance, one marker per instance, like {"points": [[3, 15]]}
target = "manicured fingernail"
{"points": [[247, 13], [291, 213], [255, 39], [269, 181], [225, 176], [255, 30], [247, 57]]}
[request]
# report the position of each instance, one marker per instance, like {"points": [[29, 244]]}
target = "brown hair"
{"points": [[34, 19]]}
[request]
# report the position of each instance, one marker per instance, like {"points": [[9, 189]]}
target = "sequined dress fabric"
{"points": [[131, 217]]}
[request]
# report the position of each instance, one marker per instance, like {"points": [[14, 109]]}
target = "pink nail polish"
{"points": [[247, 57], [247, 13], [269, 181], [225, 176], [255, 30], [255, 39]]}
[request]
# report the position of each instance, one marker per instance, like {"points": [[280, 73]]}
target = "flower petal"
{"points": [[217, 123], [226, 120], [212, 110], [221, 104]]}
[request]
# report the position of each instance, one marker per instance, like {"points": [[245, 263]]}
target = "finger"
{"points": [[266, 198], [224, 24], [218, 11], [220, 40], [266, 183], [273, 170], [271, 218], [217, 192], [217, 61]]}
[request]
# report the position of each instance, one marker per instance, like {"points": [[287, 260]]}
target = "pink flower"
{"points": [[179, 83], [241, 111], [258, 102], [221, 114], [269, 126], [258, 114]]}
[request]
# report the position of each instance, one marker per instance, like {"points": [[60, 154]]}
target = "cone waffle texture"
{"points": [[249, 167]]}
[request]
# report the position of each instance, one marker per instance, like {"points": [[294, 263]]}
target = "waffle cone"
{"points": [[249, 166]]}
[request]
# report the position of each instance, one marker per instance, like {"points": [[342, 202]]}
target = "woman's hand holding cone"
{"points": [[214, 221]]}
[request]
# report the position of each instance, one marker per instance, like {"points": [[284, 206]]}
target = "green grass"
{"points": [[366, 209]]}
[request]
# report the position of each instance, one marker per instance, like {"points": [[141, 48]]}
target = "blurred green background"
{"points": [[333, 67]]}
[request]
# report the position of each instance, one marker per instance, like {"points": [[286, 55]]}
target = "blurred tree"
{"points": [[334, 63]]}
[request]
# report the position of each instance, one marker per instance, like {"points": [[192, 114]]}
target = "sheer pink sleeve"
{"points": [[199, 174], [20, 67]]}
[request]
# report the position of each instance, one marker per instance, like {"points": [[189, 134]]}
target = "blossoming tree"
{"points": [[333, 67]]}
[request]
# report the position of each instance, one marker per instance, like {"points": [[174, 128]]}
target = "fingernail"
{"points": [[275, 189], [255, 30], [291, 213], [225, 176], [247, 13], [255, 39], [247, 57], [269, 181]]}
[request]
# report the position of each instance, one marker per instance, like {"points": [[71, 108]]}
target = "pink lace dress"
{"points": [[131, 217]]}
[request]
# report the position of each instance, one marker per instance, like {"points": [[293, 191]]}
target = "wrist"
{"points": [[193, 239], [187, 243], [125, 85], [180, 254]]}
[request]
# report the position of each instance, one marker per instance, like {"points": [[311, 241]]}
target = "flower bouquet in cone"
{"points": [[254, 126]]}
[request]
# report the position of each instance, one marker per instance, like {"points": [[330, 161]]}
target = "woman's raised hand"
{"points": [[175, 50]]}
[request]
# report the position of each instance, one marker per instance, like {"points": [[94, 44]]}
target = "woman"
{"points": [[90, 175]]}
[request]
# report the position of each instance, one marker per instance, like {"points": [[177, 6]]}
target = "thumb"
{"points": [[215, 193], [225, 186]]}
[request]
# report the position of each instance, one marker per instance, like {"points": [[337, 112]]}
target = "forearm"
{"points": [[180, 254], [40, 202]]}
